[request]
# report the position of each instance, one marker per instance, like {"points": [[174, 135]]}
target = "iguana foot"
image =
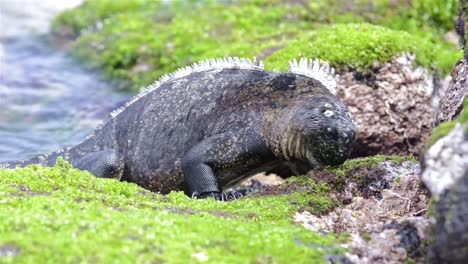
{"points": [[233, 195], [218, 196]]}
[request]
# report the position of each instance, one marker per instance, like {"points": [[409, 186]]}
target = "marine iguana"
{"points": [[210, 125]]}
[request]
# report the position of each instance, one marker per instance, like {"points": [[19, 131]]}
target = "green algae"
{"points": [[135, 42], [60, 214]]}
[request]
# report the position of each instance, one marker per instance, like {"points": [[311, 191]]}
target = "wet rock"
{"points": [[446, 176], [390, 228], [384, 104]]}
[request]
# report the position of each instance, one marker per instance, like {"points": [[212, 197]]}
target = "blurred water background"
{"points": [[47, 101]]}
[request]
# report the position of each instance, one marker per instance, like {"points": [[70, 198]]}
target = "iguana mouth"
{"points": [[312, 161]]}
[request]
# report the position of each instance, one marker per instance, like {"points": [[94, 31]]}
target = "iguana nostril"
{"points": [[333, 132]]}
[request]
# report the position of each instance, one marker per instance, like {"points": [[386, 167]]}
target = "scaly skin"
{"points": [[210, 129]]}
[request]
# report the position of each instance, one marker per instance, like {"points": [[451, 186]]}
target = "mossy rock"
{"points": [[444, 128], [366, 174], [60, 214], [136, 41], [358, 46]]}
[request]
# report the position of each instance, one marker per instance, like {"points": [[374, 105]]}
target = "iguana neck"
{"points": [[281, 136]]}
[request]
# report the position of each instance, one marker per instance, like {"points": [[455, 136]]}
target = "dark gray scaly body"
{"points": [[207, 129]]}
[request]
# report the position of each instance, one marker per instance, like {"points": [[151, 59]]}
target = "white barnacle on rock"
{"points": [[316, 69], [206, 65], [446, 161]]}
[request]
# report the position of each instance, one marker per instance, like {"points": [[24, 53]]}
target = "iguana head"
{"points": [[317, 129], [314, 128], [320, 131]]}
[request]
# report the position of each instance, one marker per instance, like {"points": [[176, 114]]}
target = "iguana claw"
{"points": [[218, 196]]}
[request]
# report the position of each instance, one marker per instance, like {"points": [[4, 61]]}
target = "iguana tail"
{"points": [[106, 163], [45, 160]]}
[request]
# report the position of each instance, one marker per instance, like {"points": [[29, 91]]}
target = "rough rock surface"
{"points": [[257, 183], [452, 102], [386, 218], [462, 25], [446, 175], [446, 166], [384, 104]]}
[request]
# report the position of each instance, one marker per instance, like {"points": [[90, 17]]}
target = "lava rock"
{"points": [[409, 237], [392, 228], [451, 103], [446, 176], [462, 25], [391, 106]]}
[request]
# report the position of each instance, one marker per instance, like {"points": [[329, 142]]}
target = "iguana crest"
{"points": [[313, 68]]}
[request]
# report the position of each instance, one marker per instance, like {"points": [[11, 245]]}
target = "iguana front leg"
{"points": [[238, 154], [103, 164]]}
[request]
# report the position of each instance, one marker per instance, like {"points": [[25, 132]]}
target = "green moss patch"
{"points": [[444, 128], [60, 214], [367, 175], [432, 15], [136, 41], [358, 46], [139, 46]]}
